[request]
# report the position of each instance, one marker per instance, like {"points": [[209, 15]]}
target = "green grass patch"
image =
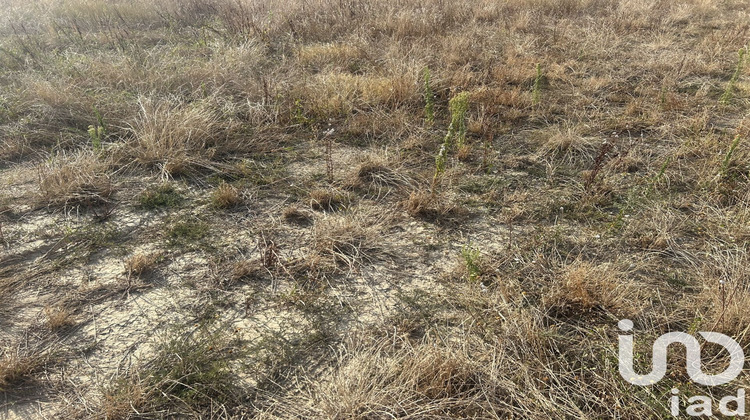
{"points": [[161, 196]]}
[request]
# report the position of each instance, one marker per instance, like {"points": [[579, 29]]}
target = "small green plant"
{"points": [[458, 106], [164, 195], [429, 98], [97, 132], [724, 172], [472, 260], [536, 93], [185, 231], [728, 94], [653, 181], [299, 114], [190, 372]]}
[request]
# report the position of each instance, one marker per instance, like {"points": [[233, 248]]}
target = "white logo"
{"points": [[701, 405], [693, 357]]}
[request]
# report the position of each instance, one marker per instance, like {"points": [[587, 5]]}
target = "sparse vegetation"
{"points": [[295, 191], [190, 374], [58, 318], [728, 94], [17, 365], [186, 230], [163, 195], [295, 215], [327, 199]]}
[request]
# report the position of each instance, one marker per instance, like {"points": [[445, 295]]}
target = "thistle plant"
{"points": [[728, 94], [429, 98], [327, 138], [536, 93], [439, 165], [97, 132], [458, 106]]}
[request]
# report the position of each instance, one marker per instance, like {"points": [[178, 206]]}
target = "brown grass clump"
{"points": [[58, 317], [16, 367], [293, 214], [246, 270], [345, 238], [120, 405], [376, 175], [327, 199], [374, 381], [80, 178], [140, 265], [421, 204], [568, 146], [586, 287], [432, 207], [226, 196], [173, 136]]}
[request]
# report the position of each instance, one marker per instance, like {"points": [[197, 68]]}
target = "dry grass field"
{"points": [[367, 209]]}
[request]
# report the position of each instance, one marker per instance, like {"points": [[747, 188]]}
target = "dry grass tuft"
{"points": [[568, 146], [328, 199], [293, 214], [373, 381], [140, 265], [58, 317], [432, 207], [226, 196], [246, 270], [375, 174], [17, 367], [81, 178], [584, 287], [174, 136], [346, 239]]}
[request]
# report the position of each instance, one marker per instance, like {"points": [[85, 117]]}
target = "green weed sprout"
{"points": [[536, 94], [728, 94], [458, 106], [471, 257], [97, 132]]}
